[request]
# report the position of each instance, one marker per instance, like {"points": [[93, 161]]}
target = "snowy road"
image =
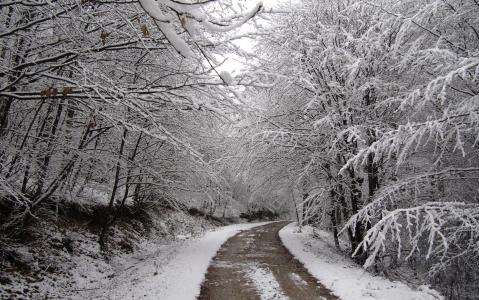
{"points": [[246, 261], [254, 264], [173, 271]]}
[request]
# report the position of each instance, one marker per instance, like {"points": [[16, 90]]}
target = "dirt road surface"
{"points": [[254, 265]]}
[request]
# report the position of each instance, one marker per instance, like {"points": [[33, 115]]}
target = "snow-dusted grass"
{"points": [[347, 280], [172, 272]]}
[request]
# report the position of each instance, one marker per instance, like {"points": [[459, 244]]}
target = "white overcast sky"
{"points": [[232, 65]]}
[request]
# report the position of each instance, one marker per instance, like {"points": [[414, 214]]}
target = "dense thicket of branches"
{"points": [[370, 112], [115, 101]]}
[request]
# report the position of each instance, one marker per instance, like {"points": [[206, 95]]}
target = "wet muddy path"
{"points": [[254, 264]]}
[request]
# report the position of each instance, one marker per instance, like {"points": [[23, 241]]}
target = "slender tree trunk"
{"points": [[372, 169], [127, 185], [68, 143], [5, 102], [295, 208], [48, 151], [18, 58], [89, 172], [106, 223], [334, 223], [54, 184], [24, 140], [356, 236], [227, 200]]}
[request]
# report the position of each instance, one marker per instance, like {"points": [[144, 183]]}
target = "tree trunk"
{"points": [[127, 186], [24, 140], [356, 236], [295, 208], [334, 223], [372, 169], [48, 151], [106, 223]]}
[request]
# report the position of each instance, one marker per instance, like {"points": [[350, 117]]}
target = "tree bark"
{"points": [[48, 151], [107, 221], [127, 186]]}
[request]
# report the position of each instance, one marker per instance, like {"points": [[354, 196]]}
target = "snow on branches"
{"points": [[443, 230], [379, 102], [93, 98], [165, 12], [428, 206]]}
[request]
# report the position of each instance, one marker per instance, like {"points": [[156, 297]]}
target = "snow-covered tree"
{"points": [[383, 95], [108, 98]]}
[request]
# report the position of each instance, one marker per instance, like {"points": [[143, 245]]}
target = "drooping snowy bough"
{"points": [[429, 206], [167, 12]]}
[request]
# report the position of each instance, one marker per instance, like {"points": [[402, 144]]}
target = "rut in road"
{"points": [[254, 264]]}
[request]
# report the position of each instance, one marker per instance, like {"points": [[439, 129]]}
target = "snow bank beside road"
{"points": [[347, 280], [174, 272]]}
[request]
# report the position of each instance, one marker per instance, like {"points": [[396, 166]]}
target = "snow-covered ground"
{"points": [[171, 272], [347, 280]]}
